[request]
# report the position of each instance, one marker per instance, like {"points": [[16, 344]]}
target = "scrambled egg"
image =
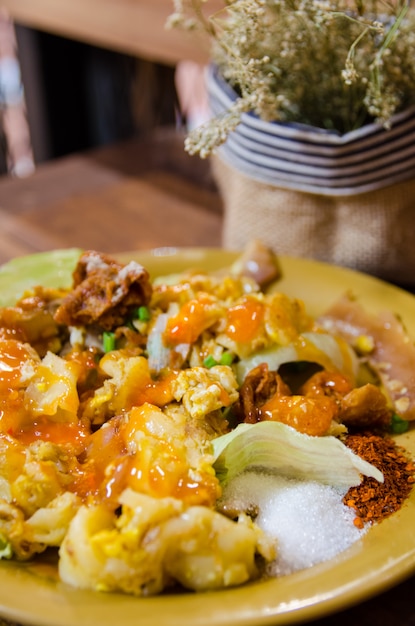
{"points": [[155, 543]]}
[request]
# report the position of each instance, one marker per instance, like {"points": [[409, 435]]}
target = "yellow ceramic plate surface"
{"points": [[32, 594]]}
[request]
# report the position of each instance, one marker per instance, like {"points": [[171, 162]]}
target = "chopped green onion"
{"points": [[108, 340], [210, 361], [226, 358], [6, 550], [143, 313], [399, 425]]}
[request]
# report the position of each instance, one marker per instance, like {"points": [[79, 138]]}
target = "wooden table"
{"points": [[142, 194], [139, 195]]}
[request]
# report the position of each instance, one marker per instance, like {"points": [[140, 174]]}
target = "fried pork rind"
{"points": [[104, 292], [365, 407], [156, 543]]}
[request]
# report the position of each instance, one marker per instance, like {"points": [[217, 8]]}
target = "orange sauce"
{"points": [[159, 466], [244, 320], [14, 456], [106, 444], [309, 415], [101, 464], [13, 356], [56, 432], [87, 363], [162, 472], [11, 333], [101, 449], [12, 410], [193, 318], [157, 392]]}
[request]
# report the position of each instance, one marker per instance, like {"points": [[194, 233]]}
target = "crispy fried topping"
{"points": [[104, 291]]}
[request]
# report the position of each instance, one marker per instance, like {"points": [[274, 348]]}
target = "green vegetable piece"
{"points": [[143, 313], [227, 358], [108, 341], [210, 361], [6, 551], [399, 425]]}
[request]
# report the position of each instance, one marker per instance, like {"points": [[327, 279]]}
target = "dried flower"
{"points": [[334, 64]]}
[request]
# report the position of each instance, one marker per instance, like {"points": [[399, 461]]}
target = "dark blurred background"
{"points": [[82, 96], [78, 96]]}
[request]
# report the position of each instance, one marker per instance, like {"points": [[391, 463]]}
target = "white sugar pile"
{"points": [[308, 520]]}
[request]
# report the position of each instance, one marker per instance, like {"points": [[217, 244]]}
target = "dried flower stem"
{"points": [[334, 64]]}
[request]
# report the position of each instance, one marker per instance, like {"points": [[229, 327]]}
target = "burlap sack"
{"points": [[372, 232]]}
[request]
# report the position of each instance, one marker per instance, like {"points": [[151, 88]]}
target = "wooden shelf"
{"points": [[135, 27]]}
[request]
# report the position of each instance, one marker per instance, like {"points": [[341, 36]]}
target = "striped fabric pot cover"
{"points": [[297, 156], [345, 199]]}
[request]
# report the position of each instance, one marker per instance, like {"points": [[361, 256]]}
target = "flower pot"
{"points": [[345, 199]]}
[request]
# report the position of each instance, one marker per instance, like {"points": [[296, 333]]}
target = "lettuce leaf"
{"points": [[49, 269], [275, 447]]}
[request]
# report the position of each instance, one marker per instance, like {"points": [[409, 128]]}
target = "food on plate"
{"points": [[385, 344], [167, 432]]}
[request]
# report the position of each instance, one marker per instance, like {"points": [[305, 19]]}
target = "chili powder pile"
{"points": [[374, 501]]}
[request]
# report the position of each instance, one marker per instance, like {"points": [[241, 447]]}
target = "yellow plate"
{"points": [[32, 594]]}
